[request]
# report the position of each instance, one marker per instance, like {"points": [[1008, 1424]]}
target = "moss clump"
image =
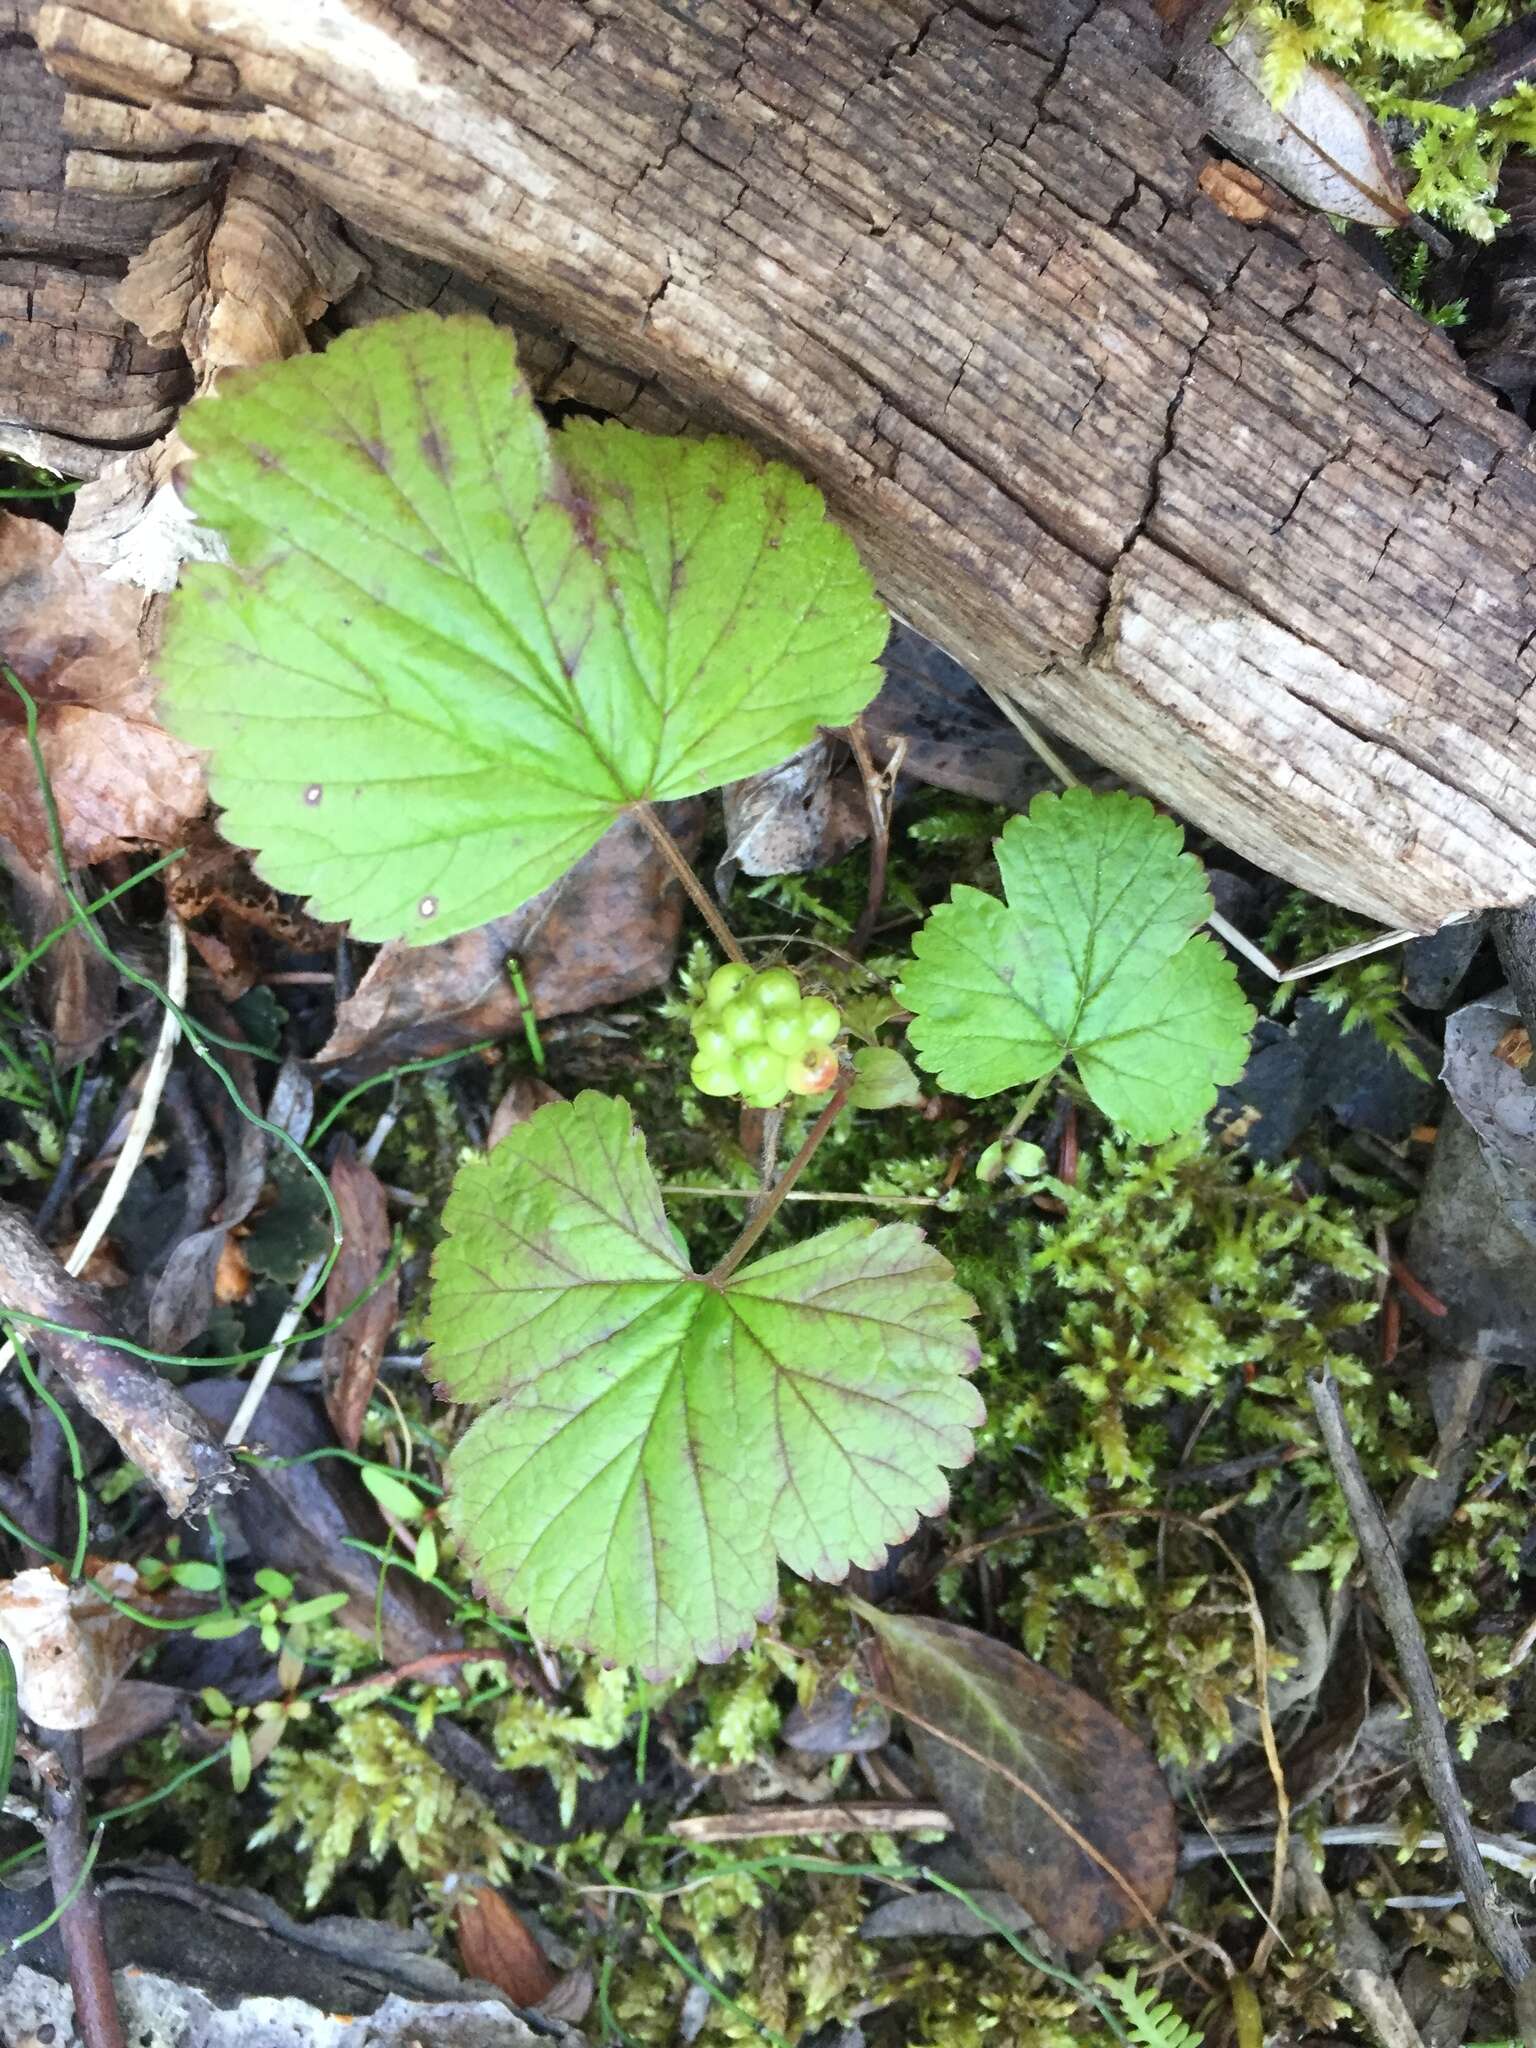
{"points": [[369, 1786], [1176, 1275]]}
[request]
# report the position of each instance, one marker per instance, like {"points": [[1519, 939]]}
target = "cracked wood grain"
{"points": [[1201, 495]]}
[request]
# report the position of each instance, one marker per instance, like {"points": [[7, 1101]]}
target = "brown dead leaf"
{"points": [[119, 779], [232, 1274], [496, 1947], [523, 1095], [79, 986], [1060, 1801], [354, 1351], [606, 931], [791, 819]]}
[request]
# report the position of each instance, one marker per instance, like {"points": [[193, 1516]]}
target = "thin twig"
{"points": [[127, 1163], [1510, 1851], [62, 1186], [682, 867], [1493, 1920], [760, 1219], [62, 1787]]}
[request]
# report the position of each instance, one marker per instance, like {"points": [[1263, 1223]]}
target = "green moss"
{"points": [[369, 1788]]}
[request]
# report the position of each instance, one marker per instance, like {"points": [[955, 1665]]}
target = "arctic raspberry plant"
{"points": [[449, 648]]}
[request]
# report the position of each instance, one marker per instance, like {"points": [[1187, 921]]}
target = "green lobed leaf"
{"points": [[659, 1440], [453, 645], [1093, 956]]}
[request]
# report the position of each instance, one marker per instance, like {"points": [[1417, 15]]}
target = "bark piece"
{"points": [[149, 1420]]}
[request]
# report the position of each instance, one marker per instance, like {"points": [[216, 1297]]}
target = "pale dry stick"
{"points": [[855, 1817], [1495, 1923], [143, 1119], [879, 790], [261, 1378]]}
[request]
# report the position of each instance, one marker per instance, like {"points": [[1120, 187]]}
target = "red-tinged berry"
{"points": [[813, 1073]]}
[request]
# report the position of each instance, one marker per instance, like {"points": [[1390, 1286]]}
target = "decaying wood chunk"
{"points": [[1199, 492]]}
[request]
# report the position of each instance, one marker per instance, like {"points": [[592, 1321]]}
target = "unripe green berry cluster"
{"points": [[760, 1038]]}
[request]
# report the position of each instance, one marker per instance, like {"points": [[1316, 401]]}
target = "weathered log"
{"points": [[1201, 495]]}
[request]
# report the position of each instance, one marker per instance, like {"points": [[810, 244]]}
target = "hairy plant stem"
{"points": [[1021, 1115], [764, 1215], [682, 867]]}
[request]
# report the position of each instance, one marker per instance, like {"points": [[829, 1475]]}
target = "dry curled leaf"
{"points": [[523, 1094], [1035, 1775], [496, 1947], [118, 777], [69, 1645], [355, 1350]]}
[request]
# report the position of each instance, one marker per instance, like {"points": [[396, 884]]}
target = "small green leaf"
{"points": [[217, 1703], [658, 1439], [393, 1494], [277, 1583], [197, 1577], [214, 1628], [1093, 956], [453, 646], [426, 1552], [316, 1609], [883, 1080], [240, 1759]]}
